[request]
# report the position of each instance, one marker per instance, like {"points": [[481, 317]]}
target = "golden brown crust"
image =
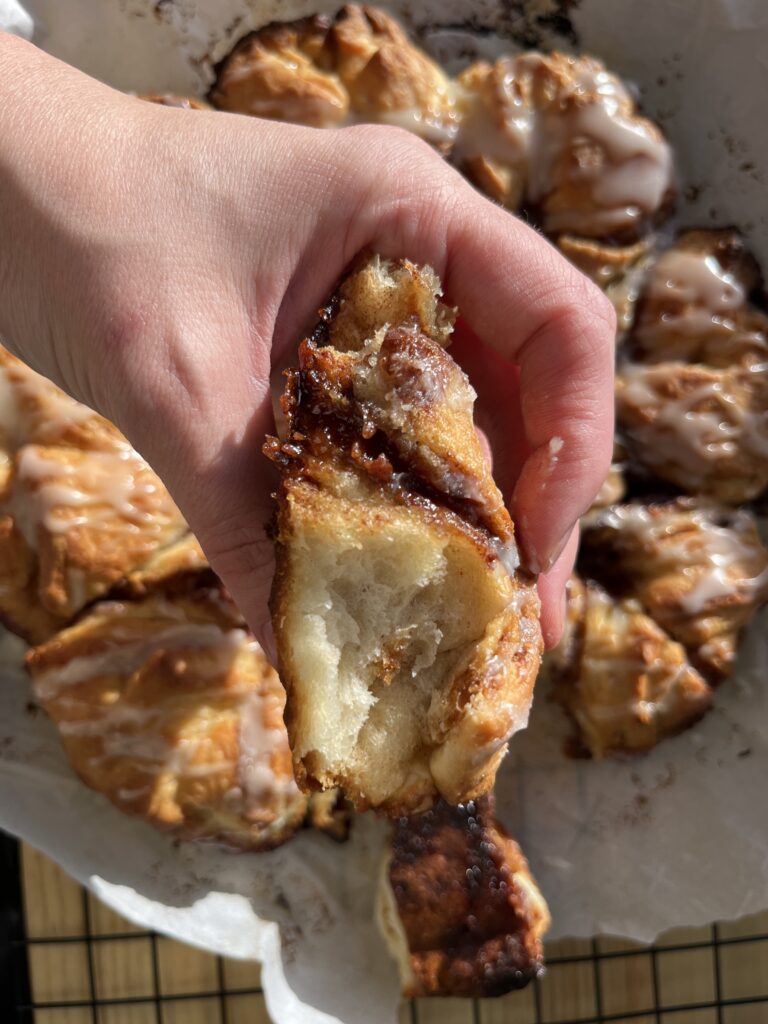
{"points": [[358, 66], [700, 570], [170, 709], [80, 511], [617, 269], [625, 682], [459, 907], [702, 429], [562, 136], [387, 513], [695, 307]]}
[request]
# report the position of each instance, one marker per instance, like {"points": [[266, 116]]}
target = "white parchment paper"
{"points": [[630, 847]]}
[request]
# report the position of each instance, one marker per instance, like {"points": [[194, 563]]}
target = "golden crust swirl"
{"points": [[701, 428], [408, 641], [625, 682], [561, 136], [170, 709], [359, 66], [700, 570], [80, 511], [695, 304], [458, 906]]}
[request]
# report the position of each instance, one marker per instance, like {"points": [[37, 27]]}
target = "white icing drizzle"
{"points": [[259, 743], [135, 732], [635, 173], [592, 112], [123, 659], [719, 560], [707, 434], [88, 491], [435, 127]]}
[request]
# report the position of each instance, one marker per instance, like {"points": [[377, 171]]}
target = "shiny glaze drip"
{"points": [[88, 491], [719, 553], [708, 434]]}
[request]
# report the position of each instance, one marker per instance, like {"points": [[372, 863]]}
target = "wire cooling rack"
{"points": [[67, 959]]}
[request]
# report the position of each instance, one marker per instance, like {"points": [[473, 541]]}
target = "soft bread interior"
{"points": [[383, 617]]}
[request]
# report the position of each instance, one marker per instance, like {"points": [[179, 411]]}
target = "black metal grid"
{"points": [[17, 1005]]}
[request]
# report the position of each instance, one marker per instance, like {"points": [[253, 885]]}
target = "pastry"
{"points": [[695, 304], [624, 681], [408, 638], [170, 709], [458, 906], [80, 510], [700, 428], [618, 269], [325, 72], [700, 570], [561, 136]]}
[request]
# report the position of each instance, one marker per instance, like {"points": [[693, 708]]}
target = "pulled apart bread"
{"points": [[169, 708], [458, 906], [625, 682], [408, 638]]}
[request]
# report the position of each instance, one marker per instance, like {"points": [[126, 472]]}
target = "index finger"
{"points": [[523, 298]]}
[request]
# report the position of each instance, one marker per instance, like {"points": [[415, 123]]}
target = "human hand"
{"points": [[163, 263]]}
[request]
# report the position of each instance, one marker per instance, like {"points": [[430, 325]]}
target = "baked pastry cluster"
{"points": [[458, 906], [168, 707], [81, 513], [693, 401], [692, 410], [407, 635], [556, 134], [356, 67]]}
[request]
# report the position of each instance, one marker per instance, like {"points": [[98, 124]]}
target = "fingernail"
{"points": [[541, 562]]}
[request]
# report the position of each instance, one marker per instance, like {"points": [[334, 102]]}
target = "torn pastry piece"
{"points": [[703, 429], [169, 708], [407, 636], [618, 269], [80, 511], [700, 570], [170, 99], [695, 304], [625, 682], [458, 906], [562, 136], [358, 67]]}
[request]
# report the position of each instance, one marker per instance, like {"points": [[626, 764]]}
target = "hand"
{"points": [[157, 264]]}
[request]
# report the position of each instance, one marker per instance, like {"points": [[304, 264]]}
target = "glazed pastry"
{"points": [[408, 639], [624, 681], [701, 571], [458, 907], [357, 67], [561, 136], [702, 429], [80, 511], [170, 709], [618, 269], [694, 307]]}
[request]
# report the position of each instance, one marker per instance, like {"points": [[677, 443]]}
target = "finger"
{"points": [[552, 591], [522, 298], [538, 311], [497, 409]]}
